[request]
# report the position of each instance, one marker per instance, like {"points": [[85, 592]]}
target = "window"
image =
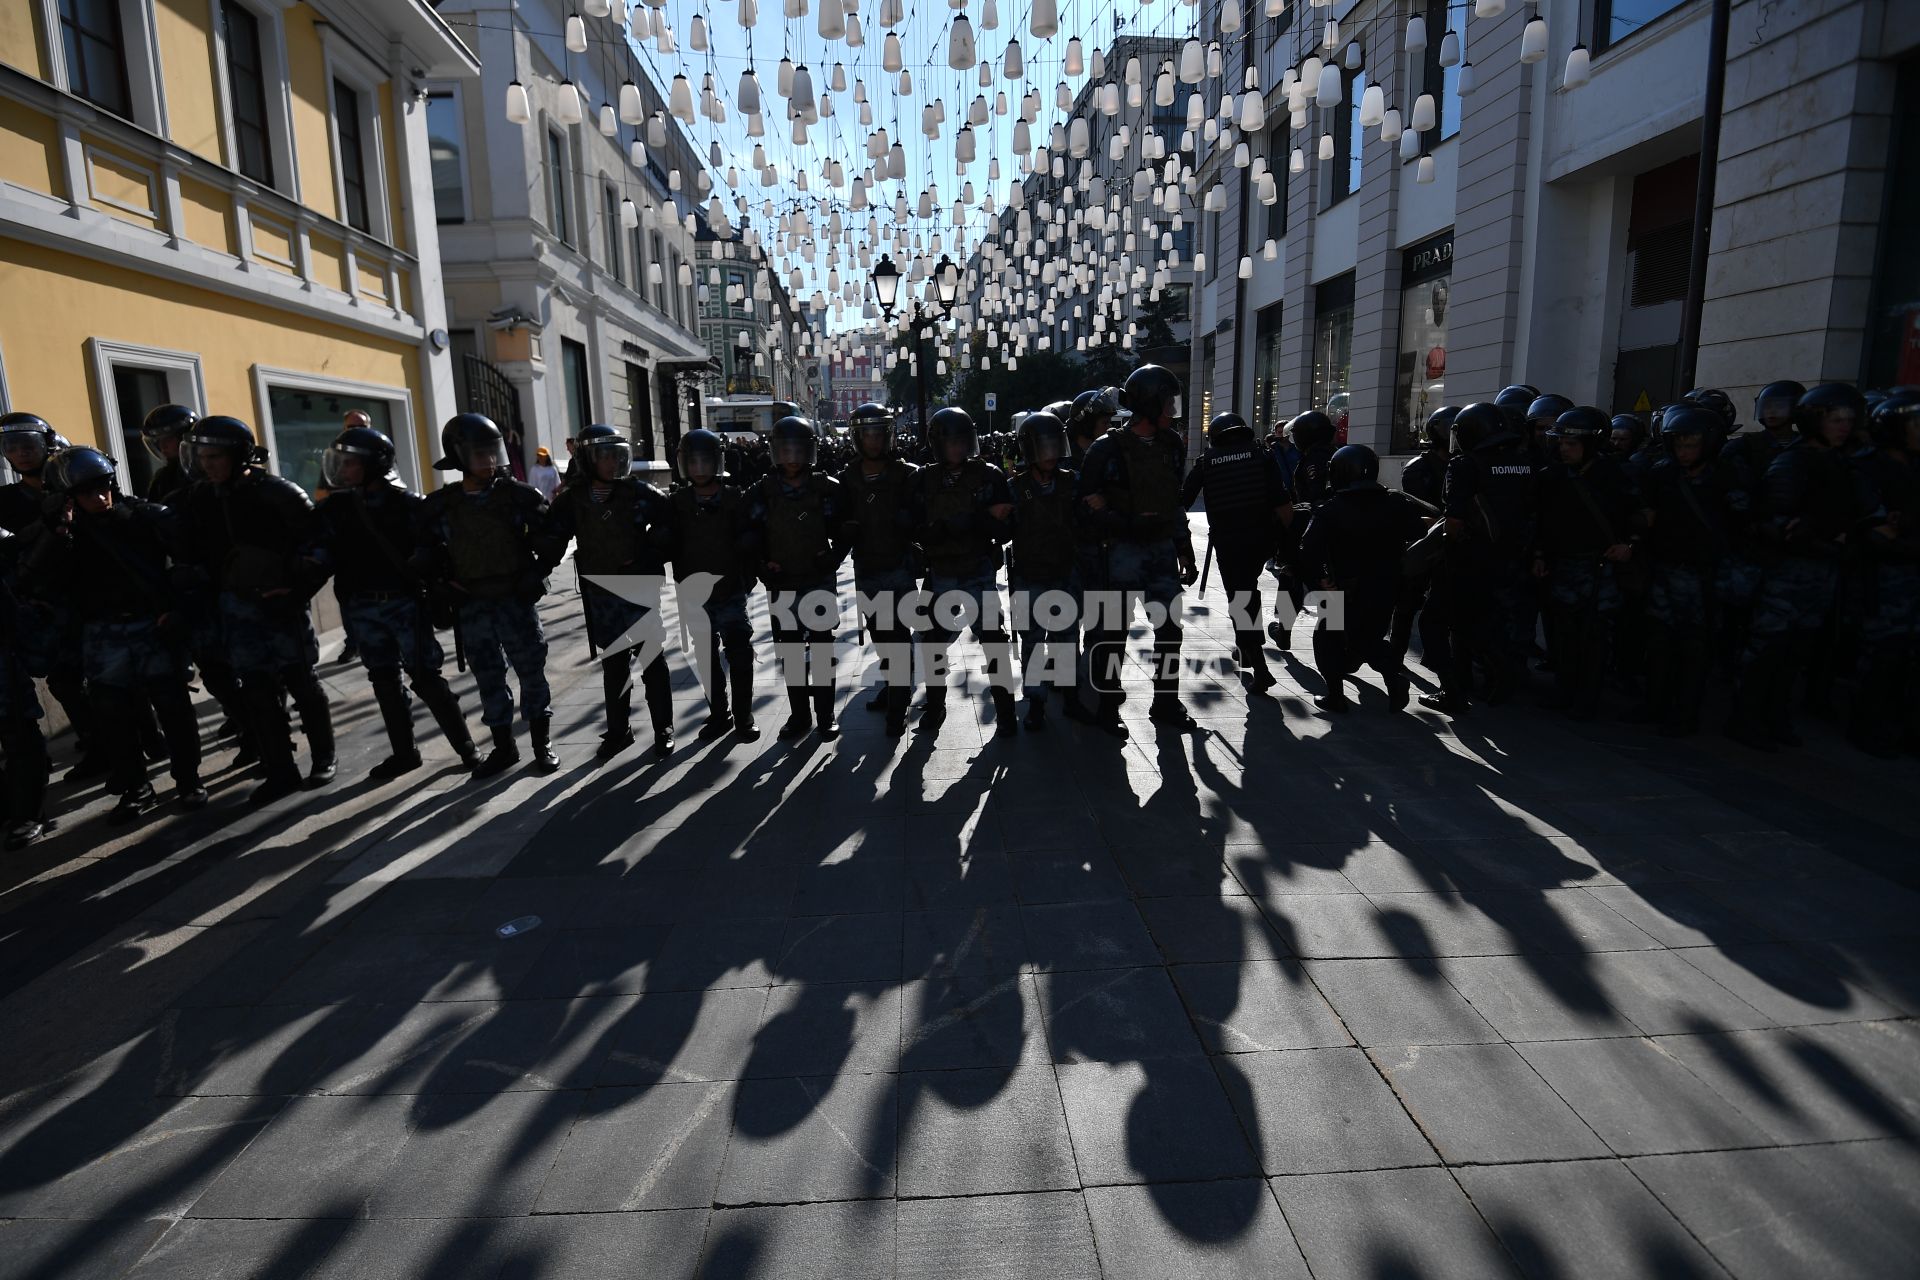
{"points": [[1421, 377], [247, 86], [657, 271], [1213, 243], [349, 128], [136, 393], [639, 249], [1441, 82], [1344, 178], [96, 50], [573, 368], [1615, 20], [1279, 23], [1332, 345], [446, 155], [557, 186], [640, 411], [1266, 368], [305, 422], [1279, 162], [673, 286], [610, 211]]}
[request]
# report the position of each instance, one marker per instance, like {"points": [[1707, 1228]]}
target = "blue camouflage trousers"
{"points": [[264, 637], [1047, 614], [967, 602], [890, 591], [1737, 581], [1136, 573], [131, 654], [610, 619], [1680, 596], [501, 632], [1796, 598], [1583, 583], [392, 633], [1895, 614]]}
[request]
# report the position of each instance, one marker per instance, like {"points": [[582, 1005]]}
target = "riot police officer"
{"points": [[714, 544], [1810, 502], [1353, 544], [1886, 709], [800, 514], [162, 431], [877, 486], [961, 508], [484, 542], [1543, 411], [619, 524], [1424, 473], [1246, 500], [1093, 412], [1490, 508], [1685, 518], [1513, 402], [373, 528], [1423, 596], [1130, 497], [1586, 509], [23, 747], [1043, 565], [256, 538], [1744, 460], [109, 556]]}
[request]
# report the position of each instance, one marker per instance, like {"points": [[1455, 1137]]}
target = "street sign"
{"points": [[993, 401]]}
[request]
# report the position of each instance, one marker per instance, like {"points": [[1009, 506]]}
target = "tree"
{"points": [[902, 387], [1041, 378]]}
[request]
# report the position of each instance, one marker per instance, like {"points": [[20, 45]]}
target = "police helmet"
{"points": [[1777, 399], [1150, 391], [1479, 425], [228, 435], [795, 442], [469, 437], [168, 422], [1893, 419], [1042, 438], [1514, 401], [952, 425], [602, 441], [1061, 409], [1630, 423], [1229, 433], [1090, 408], [701, 455], [1439, 427], [1353, 466], [1311, 430], [1811, 410], [74, 470], [1545, 410], [28, 439], [372, 449], [1692, 420], [1580, 422], [1716, 401]]}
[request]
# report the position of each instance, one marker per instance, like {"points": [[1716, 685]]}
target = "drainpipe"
{"points": [[1688, 363]]}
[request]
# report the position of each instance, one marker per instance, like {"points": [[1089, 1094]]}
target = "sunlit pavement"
{"points": [[1373, 996]]}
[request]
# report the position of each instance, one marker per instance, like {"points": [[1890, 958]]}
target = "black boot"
{"points": [[445, 708], [823, 718], [897, 700], [659, 688], [934, 714], [1037, 715], [740, 676], [1005, 725], [615, 683], [316, 722], [267, 720], [137, 801], [800, 715], [1108, 717], [544, 761], [505, 753], [173, 708], [396, 713]]}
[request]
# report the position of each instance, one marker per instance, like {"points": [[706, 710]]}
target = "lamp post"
{"points": [[886, 288]]}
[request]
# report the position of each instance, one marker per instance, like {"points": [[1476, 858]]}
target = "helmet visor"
{"points": [[958, 444], [793, 453], [1045, 449], [344, 467], [25, 450], [874, 438], [483, 456], [610, 459], [699, 465], [1774, 411]]}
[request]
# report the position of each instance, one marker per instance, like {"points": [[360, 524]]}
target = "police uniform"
{"points": [[802, 528], [713, 542], [48, 633], [1685, 543], [1244, 489], [880, 528], [1743, 464], [1354, 543], [26, 765], [1423, 596], [1142, 531], [961, 539], [1886, 710], [1490, 492], [620, 530], [1585, 509], [373, 532], [1043, 570]]}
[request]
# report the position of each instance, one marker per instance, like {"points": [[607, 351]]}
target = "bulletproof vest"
{"points": [[797, 530], [1687, 521], [1569, 523], [1153, 483], [1310, 478], [1827, 499], [166, 482], [1505, 502], [372, 539], [877, 501], [263, 515], [483, 535], [606, 531], [948, 495], [1421, 479], [1043, 527], [709, 533], [119, 565], [1235, 485]]}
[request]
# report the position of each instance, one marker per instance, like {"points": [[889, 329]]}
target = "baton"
{"points": [[1206, 566], [586, 617]]}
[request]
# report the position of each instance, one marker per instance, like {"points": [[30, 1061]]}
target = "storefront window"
{"points": [[1266, 368], [1425, 278], [306, 422], [1333, 345]]}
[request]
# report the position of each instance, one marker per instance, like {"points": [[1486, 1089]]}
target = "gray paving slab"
{"points": [[629, 1149], [1115, 1015], [971, 940], [1392, 1002], [84, 1250], [1043, 1236], [1639, 1100], [1659, 992], [599, 1246], [1389, 1222], [1327, 925], [970, 1021], [811, 1138], [1536, 997], [1163, 1120], [476, 1156], [981, 1131], [408, 1248], [319, 1158], [239, 1249], [1812, 1084], [840, 948], [1482, 1104], [1227, 1230], [1585, 1218], [1787, 985], [682, 1035], [1087, 935], [848, 1240], [822, 1029], [1257, 1005], [1323, 1110], [1194, 930]]}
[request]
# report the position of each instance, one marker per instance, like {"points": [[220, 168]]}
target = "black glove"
{"points": [[530, 586]]}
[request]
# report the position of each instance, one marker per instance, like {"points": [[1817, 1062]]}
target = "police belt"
{"points": [[381, 597]]}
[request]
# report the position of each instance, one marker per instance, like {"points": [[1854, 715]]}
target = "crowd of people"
{"points": [[1629, 557]]}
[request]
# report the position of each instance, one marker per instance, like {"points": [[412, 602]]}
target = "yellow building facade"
{"points": [[226, 204]]}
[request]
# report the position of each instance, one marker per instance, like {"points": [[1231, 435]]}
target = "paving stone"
{"points": [[1291, 869], [422, 906], [1786, 985], [1256, 1006], [1389, 1222], [1165, 1120], [1402, 867], [1661, 993], [1323, 1110], [237, 1249], [75, 1247], [1042, 1236], [683, 1035], [1327, 924], [1154, 872], [973, 880], [970, 1021], [1639, 1100], [1889, 967], [1389, 1002], [275, 1049], [983, 1130], [718, 953], [970, 940], [658, 1147], [580, 962], [856, 948], [478, 1047], [1195, 930], [1536, 997], [1584, 1218], [850, 1240], [1229, 1230], [852, 887], [811, 1139], [413, 967], [1115, 1015], [1482, 1104], [599, 1246], [823, 1029], [1777, 1213], [1824, 910], [476, 1156], [409, 1248], [319, 1158], [1087, 935], [1679, 915], [1084, 874], [1825, 1084]]}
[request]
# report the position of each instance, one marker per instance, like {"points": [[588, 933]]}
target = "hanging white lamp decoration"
{"points": [[637, 154], [803, 92], [989, 14], [1079, 138], [1390, 128], [1075, 63], [576, 34], [1044, 20], [609, 122], [629, 213], [1409, 144], [1355, 57], [1163, 88], [1450, 49], [856, 35], [1578, 71], [1229, 16], [905, 84], [1326, 146], [961, 53], [1424, 172], [1469, 80], [783, 78], [1330, 92], [890, 60], [1013, 68], [1489, 8], [1423, 113], [597, 8], [632, 111], [642, 26], [519, 111], [1533, 40], [892, 13], [663, 36], [1193, 61], [1253, 112], [833, 20], [1373, 106], [566, 108], [697, 35], [1416, 40]]}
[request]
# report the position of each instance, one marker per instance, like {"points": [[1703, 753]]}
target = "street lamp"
{"points": [[886, 284], [947, 277], [886, 288]]}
